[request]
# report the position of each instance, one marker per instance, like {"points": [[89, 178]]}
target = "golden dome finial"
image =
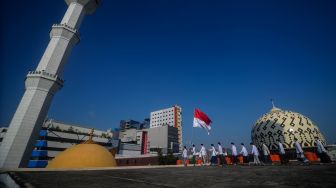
{"points": [[91, 133], [90, 140]]}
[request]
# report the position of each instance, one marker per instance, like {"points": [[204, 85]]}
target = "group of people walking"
{"points": [[213, 153]]}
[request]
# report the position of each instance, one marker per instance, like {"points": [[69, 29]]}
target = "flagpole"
{"points": [[192, 135], [192, 142], [192, 131]]}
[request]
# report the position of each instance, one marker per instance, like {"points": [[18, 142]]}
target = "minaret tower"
{"points": [[41, 85]]}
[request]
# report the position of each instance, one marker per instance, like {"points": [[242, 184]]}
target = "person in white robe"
{"points": [[244, 153], [299, 151], [322, 153], [193, 153], [203, 154], [221, 154], [234, 153], [282, 153], [255, 154], [185, 156], [213, 159], [266, 153]]}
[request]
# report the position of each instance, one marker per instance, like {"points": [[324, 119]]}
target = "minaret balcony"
{"points": [[66, 26], [66, 32], [45, 75]]}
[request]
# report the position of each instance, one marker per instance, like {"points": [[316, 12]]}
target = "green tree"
{"points": [[160, 156]]}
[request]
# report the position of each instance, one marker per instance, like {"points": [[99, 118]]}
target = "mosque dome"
{"points": [[84, 155], [285, 126]]}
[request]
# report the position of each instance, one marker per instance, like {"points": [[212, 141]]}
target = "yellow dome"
{"points": [[83, 155]]}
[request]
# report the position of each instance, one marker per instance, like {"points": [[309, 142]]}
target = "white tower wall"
{"points": [[74, 15]]}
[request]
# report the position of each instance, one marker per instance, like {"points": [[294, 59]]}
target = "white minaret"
{"points": [[41, 85]]}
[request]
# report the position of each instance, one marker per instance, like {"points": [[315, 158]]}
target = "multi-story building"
{"points": [[131, 131], [137, 147], [145, 124], [128, 135], [133, 138], [129, 124], [142, 140], [56, 136], [164, 138], [171, 117]]}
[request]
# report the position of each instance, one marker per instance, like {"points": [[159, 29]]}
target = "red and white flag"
{"points": [[201, 120]]}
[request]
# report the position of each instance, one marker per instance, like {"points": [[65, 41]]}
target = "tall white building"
{"points": [[169, 116]]}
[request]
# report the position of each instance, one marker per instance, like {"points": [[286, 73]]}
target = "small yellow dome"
{"points": [[83, 156]]}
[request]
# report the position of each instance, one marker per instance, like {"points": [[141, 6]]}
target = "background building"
{"points": [[128, 136], [145, 124], [129, 124], [133, 137], [165, 138], [133, 142], [56, 136], [171, 117]]}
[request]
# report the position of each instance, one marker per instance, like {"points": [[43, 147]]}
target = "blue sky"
{"points": [[228, 58]]}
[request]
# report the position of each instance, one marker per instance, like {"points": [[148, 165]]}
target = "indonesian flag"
{"points": [[201, 120]]}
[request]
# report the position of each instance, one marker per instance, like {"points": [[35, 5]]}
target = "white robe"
{"points": [[234, 150], [320, 147], [193, 151], [265, 150], [298, 147], [220, 150], [185, 153], [281, 149], [213, 151], [244, 151], [203, 151], [255, 150]]}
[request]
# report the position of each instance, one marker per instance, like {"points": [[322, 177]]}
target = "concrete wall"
{"points": [[138, 161], [128, 135], [129, 149], [163, 137]]}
